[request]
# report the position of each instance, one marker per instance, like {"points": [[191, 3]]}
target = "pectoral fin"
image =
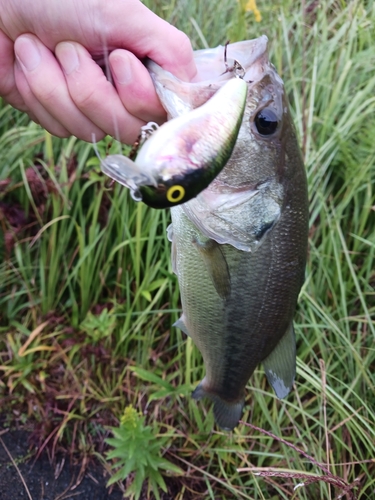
{"points": [[216, 264], [174, 249], [180, 323], [280, 365], [170, 232]]}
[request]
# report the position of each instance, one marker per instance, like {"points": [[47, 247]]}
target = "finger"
{"points": [[174, 54], [94, 95], [8, 88], [49, 88], [134, 86], [35, 109], [147, 35]]}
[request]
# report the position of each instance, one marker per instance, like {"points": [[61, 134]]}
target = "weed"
{"points": [[98, 327], [138, 451]]}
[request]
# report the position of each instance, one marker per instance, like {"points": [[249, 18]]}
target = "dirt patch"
{"points": [[40, 477]]}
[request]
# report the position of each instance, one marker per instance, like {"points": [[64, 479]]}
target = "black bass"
{"points": [[239, 248]]}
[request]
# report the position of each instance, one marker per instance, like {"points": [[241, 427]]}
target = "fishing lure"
{"points": [[183, 156]]}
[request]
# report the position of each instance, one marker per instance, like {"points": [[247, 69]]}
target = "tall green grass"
{"points": [[87, 295]]}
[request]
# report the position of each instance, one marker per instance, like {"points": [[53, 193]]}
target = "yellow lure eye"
{"points": [[175, 194]]}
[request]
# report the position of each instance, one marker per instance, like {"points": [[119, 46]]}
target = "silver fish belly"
{"points": [[239, 248]]}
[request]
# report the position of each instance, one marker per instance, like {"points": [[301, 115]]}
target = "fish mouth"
{"points": [[178, 97], [250, 54]]}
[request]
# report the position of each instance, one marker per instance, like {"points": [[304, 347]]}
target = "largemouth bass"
{"points": [[239, 248]]}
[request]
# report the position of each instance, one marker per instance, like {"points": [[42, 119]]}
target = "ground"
{"points": [[40, 476]]}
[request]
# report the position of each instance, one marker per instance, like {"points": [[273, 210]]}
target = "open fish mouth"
{"points": [[214, 68]]}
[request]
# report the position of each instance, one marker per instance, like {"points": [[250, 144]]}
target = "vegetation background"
{"points": [[88, 297]]}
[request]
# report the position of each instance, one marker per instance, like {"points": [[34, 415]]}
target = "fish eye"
{"points": [[175, 194], [266, 121]]}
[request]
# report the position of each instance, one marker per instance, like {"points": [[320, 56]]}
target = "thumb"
{"points": [[136, 28]]}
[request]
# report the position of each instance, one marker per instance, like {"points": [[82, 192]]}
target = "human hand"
{"points": [[50, 53]]}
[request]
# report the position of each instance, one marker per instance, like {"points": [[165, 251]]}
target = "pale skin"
{"points": [[50, 51]]}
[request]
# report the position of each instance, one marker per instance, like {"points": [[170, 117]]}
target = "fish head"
{"points": [[257, 172], [266, 110], [233, 110]]}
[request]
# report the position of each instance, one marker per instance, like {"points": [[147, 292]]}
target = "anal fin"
{"points": [[280, 365]]}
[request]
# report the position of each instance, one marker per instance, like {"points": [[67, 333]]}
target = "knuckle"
{"points": [[85, 98], [45, 95]]}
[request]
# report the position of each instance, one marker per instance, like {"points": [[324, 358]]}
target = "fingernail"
{"points": [[121, 69], [68, 57], [27, 53]]}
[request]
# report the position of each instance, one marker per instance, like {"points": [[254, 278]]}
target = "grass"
{"points": [[88, 297]]}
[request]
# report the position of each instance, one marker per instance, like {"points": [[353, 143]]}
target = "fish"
{"points": [[181, 157], [239, 247]]}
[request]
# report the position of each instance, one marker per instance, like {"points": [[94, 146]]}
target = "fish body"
{"points": [[184, 155], [239, 248]]}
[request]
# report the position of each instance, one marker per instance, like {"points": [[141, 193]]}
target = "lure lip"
{"points": [[113, 166]]}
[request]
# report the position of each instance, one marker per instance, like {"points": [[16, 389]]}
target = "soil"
{"points": [[42, 479]]}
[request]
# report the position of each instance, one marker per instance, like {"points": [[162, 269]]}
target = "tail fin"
{"points": [[226, 414]]}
